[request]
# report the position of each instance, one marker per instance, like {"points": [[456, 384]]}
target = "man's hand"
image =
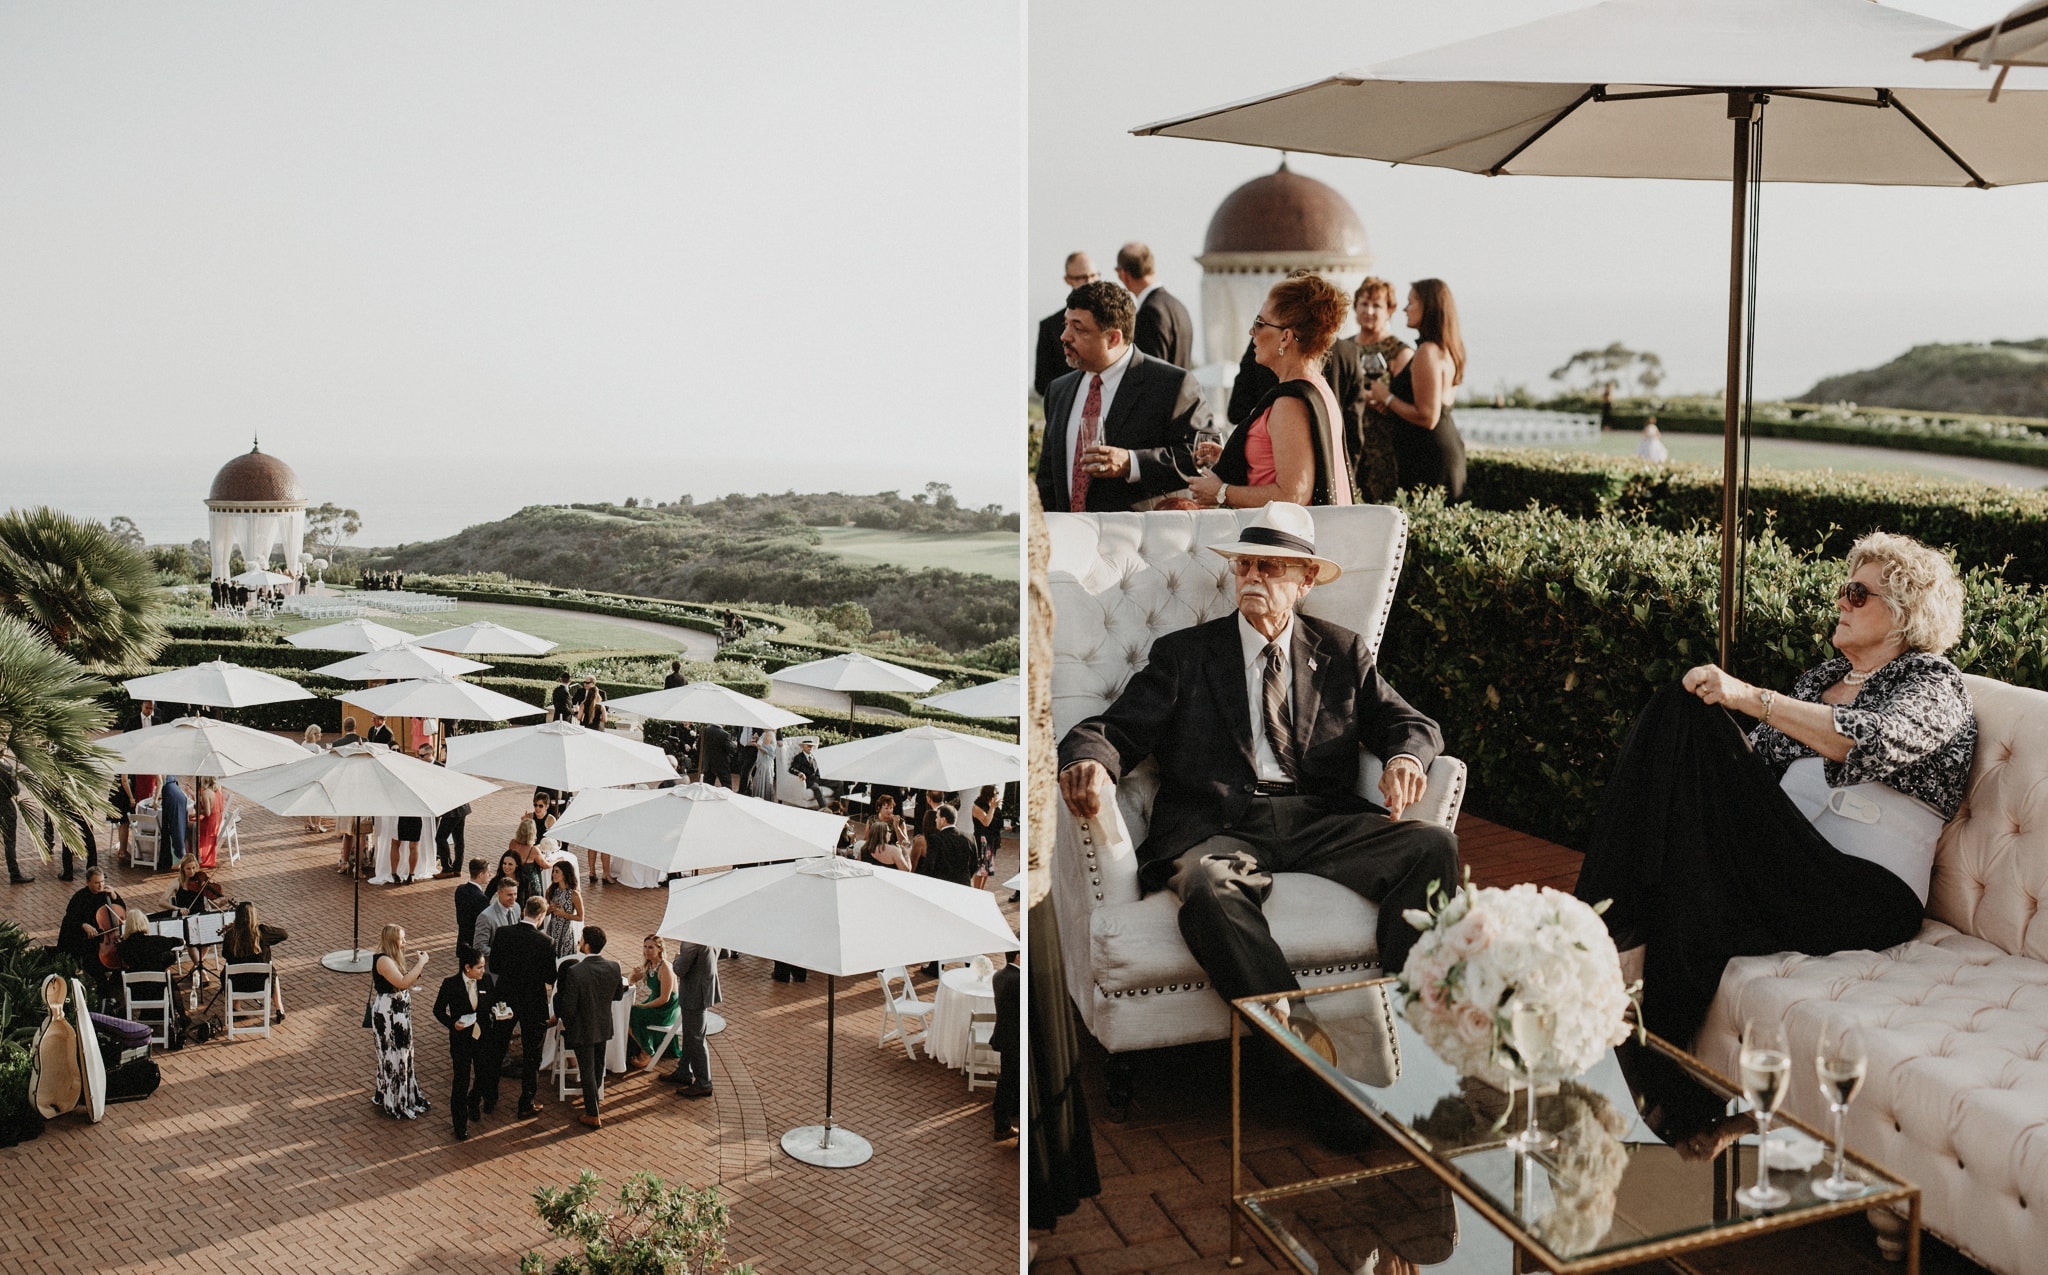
{"points": [[1104, 461], [1081, 786], [1401, 784]]}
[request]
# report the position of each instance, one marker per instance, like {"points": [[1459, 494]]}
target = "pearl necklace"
{"points": [[1853, 678]]}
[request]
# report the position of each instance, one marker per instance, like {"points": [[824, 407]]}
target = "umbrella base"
{"points": [[714, 1022], [844, 1152], [350, 961]]}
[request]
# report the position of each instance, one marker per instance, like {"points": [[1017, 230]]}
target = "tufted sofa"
{"points": [[1957, 1019], [1118, 581]]}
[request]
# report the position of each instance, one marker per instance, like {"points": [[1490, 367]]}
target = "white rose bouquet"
{"points": [[1483, 951]]}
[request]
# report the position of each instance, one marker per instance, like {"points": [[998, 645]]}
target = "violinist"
{"points": [[197, 891], [91, 930]]}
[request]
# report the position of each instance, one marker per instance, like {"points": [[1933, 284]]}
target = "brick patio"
{"points": [[1164, 1206], [267, 1155]]}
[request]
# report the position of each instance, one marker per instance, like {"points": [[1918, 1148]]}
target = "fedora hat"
{"points": [[1281, 530]]}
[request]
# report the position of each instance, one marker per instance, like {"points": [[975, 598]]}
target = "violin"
{"points": [[109, 920]]}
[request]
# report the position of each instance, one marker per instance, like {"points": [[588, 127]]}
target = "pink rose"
{"points": [[1474, 1024], [1473, 934]]}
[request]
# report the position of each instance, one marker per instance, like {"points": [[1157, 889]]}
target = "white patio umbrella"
{"points": [[984, 699], [398, 664], [1673, 89], [442, 697], [929, 757], [260, 579], [358, 781], [559, 755], [216, 684], [694, 826], [707, 702], [2020, 38], [839, 917], [199, 746], [855, 672], [350, 635], [485, 638]]}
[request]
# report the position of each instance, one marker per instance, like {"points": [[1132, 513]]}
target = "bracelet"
{"points": [[1221, 501], [1767, 697]]}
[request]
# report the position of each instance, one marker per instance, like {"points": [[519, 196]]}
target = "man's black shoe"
{"points": [[694, 1091], [527, 1111], [490, 1105], [19, 879], [66, 876], [475, 1109], [678, 1077]]}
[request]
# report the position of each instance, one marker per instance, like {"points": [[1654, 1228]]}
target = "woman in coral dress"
{"points": [[211, 804]]}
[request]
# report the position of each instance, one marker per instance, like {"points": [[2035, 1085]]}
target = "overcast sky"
{"points": [[711, 247], [1851, 276]]}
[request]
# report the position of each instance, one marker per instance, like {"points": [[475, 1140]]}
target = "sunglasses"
{"points": [[1263, 566], [1856, 593], [1258, 323]]}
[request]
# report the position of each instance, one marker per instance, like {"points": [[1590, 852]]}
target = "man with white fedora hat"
{"points": [[1256, 721]]}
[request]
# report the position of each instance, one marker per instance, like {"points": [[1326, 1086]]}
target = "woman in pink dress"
{"points": [[209, 805]]}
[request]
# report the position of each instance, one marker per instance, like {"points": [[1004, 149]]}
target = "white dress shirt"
{"points": [[1112, 376]]}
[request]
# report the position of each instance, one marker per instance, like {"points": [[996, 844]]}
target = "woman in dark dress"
{"points": [[1417, 401], [1372, 451]]}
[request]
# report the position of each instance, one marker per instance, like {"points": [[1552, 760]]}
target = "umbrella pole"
{"points": [[831, 1035], [1742, 110], [355, 872]]}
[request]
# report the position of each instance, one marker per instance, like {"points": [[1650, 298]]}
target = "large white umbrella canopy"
{"points": [[983, 699], [260, 579], [929, 757], [442, 697], [485, 638], [216, 684], [856, 672], [349, 635], [707, 702], [694, 826], [2020, 38], [199, 746], [1689, 89], [399, 663], [560, 755]]}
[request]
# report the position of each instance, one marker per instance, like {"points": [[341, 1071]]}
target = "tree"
{"points": [[329, 527], [49, 713], [942, 496], [1615, 366], [74, 582], [658, 1231], [125, 530]]}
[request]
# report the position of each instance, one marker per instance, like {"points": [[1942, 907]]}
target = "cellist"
{"points": [[91, 930]]}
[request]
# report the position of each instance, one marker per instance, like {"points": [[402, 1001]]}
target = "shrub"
{"points": [[659, 1230]]}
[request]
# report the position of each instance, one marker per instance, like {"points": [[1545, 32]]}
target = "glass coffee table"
{"points": [[1610, 1193]]}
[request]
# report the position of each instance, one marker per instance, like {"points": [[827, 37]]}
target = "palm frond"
{"points": [[94, 596], [50, 711]]}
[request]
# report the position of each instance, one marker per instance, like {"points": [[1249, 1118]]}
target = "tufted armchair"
{"points": [[1957, 1019], [1118, 581]]}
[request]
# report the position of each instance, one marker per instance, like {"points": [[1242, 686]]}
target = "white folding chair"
{"points": [[244, 1005], [954, 962], [136, 1001], [984, 1064], [231, 836], [663, 1043], [142, 835], [568, 1076], [900, 1011]]}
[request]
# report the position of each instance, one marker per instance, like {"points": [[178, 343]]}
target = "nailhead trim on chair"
{"points": [[1164, 988]]}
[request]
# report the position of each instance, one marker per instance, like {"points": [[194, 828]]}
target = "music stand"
{"points": [[199, 930]]}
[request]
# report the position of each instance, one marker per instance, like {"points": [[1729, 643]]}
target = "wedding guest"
{"points": [[590, 710], [565, 907], [805, 767], [463, 1006], [210, 806], [1372, 456], [584, 996], [173, 811], [696, 974], [1429, 450], [398, 1090], [1004, 1039], [471, 898], [449, 846], [379, 732], [655, 1006], [248, 942], [988, 833], [501, 911], [530, 872], [524, 962], [311, 741]]}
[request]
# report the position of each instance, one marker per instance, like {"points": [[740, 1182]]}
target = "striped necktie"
{"points": [[1279, 713], [1091, 427]]}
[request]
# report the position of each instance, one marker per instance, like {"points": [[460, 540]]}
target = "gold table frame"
{"points": [[1245, 1205]]}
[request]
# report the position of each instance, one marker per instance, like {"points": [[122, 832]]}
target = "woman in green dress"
{"points": [[654, 1003]]}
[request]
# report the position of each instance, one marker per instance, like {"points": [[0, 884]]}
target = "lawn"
{"points": [[994, 553], [1785, 453], [575, 631]]}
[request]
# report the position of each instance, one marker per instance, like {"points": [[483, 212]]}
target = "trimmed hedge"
{"points": [[1536, 637], [1817, 510], [1984, 442]]}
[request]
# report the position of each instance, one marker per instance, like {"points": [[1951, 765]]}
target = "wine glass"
{"points": [[1374, 364], [1530, 1029], [1204, 436], [1841, 1063], [1766, 1069]]}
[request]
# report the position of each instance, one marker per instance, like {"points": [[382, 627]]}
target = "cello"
{"points": [[109, 919]]}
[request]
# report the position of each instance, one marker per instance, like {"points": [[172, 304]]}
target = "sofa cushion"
{"points": [[1318, 923], [1991, 870]]}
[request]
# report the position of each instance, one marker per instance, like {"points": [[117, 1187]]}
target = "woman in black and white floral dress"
{"points": [[1816, 832], [398, 1090]]}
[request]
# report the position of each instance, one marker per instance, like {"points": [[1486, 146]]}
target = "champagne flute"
{"points": [[1530, 1029], [1203, 437], [1841, 1064], [1766, 1067]]}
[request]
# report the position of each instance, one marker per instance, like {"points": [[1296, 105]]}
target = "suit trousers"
{"points": [[1008, 1116], [695, 1062], [533, 1033], [590, 1071], [1223, 882], [475, 1074], [448, 847]]}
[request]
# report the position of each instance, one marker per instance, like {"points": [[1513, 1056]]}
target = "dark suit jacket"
{"points": [[696, 968], [949, 856], [716, 750], [524, 960], [452, 1003], [1157, 409], [1009, 990], [1050, 362], [1188, 708], [1165, 330], [470, 902], [583, 999], [1341, 368]]}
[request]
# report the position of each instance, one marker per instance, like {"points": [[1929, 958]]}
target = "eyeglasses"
{"points": [[1078, 279], [1856, 593], [1258, 323], [1263, 566]]}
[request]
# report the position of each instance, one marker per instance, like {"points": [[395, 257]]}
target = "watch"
{"points": [[1220, 489]]}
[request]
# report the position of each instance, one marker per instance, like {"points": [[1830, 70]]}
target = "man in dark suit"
{"points": [[948, 854], [1050, 361], [464, 1008], [1120, 427], [1256, 721], [1008, 987], [1165, 329], [379, 733], [523, 958], [675, 676], [583, 1001], [696, 968], [559, 706], [470, 902], [173, 809], [715, 752], [805, 767]]}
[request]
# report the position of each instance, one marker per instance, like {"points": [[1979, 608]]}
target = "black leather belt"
{"points": [[1263, 789]]}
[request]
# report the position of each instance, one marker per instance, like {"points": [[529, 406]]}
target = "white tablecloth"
{"points": [[614, 1050], [638, 875], [382, 867], [961, 993]]}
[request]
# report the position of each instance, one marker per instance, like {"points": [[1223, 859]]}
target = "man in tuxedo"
{"points": [[1165, 329], [470, 902], [1120, 427], [583, 1001], [523, 958], [696, 968], [715, 752], [380, 733], [1050, 361], [464, 1008], [559, 707], [948, 854], [496, 915], [1256, 721], [805, 767], [1004, 1039]]}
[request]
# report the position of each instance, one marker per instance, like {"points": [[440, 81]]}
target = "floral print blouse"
{"points": [[1912, 725]]}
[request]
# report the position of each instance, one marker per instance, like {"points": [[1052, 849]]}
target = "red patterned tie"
{"points": [[1091, 422]]}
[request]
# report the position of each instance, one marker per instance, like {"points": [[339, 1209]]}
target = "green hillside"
{"points": [[2001, 378]]}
